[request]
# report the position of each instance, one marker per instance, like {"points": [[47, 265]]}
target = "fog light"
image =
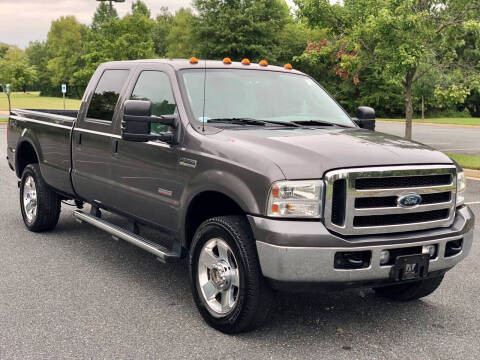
{"points": [[352, 260], [429, 249], [453, 247], [384, 257]]}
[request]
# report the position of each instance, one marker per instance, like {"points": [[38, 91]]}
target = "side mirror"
{"points": [[138, 119], [365, 118]]}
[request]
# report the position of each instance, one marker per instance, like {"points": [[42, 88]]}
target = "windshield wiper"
{"points": [[318, 123], [251, 121]]}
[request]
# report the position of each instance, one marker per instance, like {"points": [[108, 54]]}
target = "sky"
{"points": [[22, 21]]}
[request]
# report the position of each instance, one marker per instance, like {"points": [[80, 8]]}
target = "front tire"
{"points": [[227, 283], [410, 291], [40, 205]]}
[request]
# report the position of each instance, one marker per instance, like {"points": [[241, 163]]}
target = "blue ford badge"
{"points": [[409, 200]]}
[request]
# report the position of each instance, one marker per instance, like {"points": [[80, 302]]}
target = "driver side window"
{"points": [[155, 87]]}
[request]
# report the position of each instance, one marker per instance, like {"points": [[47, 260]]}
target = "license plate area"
{"points": [[410, 267]]}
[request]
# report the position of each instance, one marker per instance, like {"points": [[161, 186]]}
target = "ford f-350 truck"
{"points": [[251, 172]]}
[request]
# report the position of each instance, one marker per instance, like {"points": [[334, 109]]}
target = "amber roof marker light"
{"points": [[227, 61], [288, 66], [193, 60], [263, 63], [246, 62]]}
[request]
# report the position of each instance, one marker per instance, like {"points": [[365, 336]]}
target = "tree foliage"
{"points": [[15, 70], [403, 41], [389, 54], [238, 29]]}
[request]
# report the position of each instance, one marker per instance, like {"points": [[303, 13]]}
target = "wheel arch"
{"points": [[205, 205], [25, 154]]}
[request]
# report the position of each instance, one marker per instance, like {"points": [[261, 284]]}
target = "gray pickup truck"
{"points": [[251, 172]]}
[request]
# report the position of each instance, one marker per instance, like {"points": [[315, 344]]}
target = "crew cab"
{"points": [[253, 174]]}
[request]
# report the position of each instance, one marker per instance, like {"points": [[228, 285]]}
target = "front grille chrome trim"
{"points": [[350, 175]]}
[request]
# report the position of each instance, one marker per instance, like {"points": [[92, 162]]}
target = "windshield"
{"points": [[260, 95]]}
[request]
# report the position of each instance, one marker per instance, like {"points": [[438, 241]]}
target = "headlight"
{"points": [[461, 188], [296, 199]]}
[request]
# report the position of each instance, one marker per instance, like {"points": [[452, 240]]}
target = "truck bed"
{"points": [[48, 132]]}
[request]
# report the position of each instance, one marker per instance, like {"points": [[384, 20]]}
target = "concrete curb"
{"points": [[472, 174], [432, 124]]}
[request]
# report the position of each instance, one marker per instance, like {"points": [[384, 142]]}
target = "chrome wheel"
{"points": [[218, 277], [30, 199]]}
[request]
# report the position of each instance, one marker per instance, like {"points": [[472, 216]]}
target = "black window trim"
{"points": [[109, 123], [139, 72]]}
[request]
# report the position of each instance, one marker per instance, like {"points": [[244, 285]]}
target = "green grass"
{"points": [[3, 119], [466, 161], [33, 100], [454, 121]]}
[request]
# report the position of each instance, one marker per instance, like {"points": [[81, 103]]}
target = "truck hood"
{"points": [[305, 153]]}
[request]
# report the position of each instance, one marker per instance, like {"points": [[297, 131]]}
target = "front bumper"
{"points": [[304, 252]]}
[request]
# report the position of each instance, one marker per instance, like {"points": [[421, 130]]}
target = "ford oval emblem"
{"points": [[409, 200]]}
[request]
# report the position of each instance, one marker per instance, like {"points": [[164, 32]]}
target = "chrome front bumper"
{"points": [[282, 261], [293, 264]]}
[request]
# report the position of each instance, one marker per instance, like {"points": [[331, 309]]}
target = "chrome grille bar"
{"points": [[407, 172]]}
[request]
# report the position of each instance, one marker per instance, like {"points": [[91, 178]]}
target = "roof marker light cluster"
{"points": [[228, 61]]}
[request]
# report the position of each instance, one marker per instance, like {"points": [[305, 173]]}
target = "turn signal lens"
{"points": [[193, 60], [275, 208], [246, 62], [288, 66], [461, 188], [275, 191], [263, 63], [227, 61]]}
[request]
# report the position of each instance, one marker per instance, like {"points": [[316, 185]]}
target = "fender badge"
{"points": [[187, 162]]}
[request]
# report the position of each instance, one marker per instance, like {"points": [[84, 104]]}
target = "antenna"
{"points": [[204, 92], [204, 80]]}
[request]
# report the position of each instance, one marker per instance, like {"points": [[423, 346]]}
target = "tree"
{"points": [[161, 30], [404, 40], [37, 56], [102, 16], [65, 49], [15, 70], [128, 38], [180, 39], [238, 29], [3, 49], [140, 8]]}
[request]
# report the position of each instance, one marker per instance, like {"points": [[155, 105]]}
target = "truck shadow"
{"points": [[346, 319]]}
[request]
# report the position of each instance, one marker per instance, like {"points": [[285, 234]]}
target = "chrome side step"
{"points": [[163, 254]]}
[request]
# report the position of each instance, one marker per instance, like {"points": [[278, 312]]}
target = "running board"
{"points": [[163, 254]]}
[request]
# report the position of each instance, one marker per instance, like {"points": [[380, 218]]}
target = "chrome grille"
{"points": [[364, 200]]}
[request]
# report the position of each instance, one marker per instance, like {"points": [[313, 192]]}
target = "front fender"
{"points": [[225, 183]]}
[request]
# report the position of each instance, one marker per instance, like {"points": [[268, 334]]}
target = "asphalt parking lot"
{"points": [[75, 293], [452, 139]]}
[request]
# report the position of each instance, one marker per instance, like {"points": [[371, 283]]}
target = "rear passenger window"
{"points": [[155, 87], [104, 100]]}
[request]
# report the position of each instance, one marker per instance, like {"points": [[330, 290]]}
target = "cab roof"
{"points": [[181, 64]]}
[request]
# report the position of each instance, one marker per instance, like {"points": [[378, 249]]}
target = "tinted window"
{"points": [[155, 87], [106, 94]]}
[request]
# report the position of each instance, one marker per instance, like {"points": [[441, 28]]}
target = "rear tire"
{"points": [[223, 248], [39, 204], [410, 291]]}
